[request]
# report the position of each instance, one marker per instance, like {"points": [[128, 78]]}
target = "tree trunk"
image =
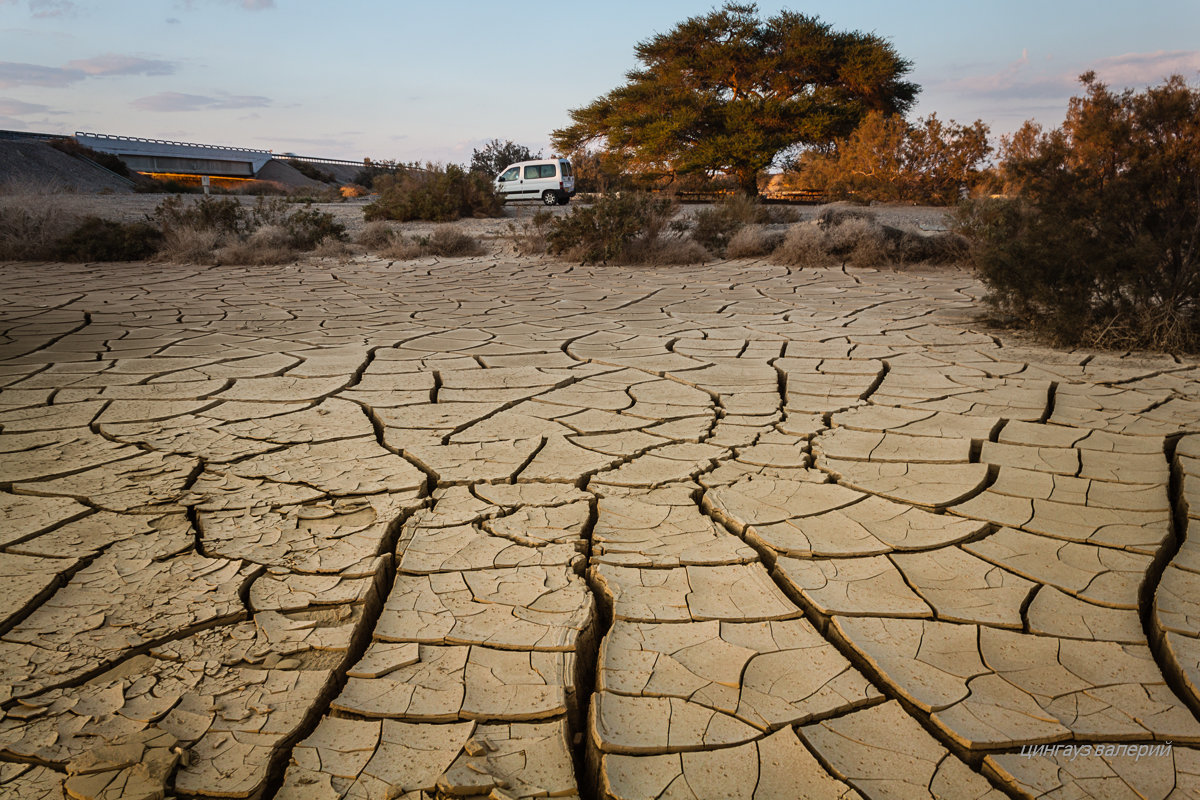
{"points": [[748, 181]]}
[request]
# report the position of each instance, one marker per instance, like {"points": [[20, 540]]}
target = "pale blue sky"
{"points": [[433, 80]]}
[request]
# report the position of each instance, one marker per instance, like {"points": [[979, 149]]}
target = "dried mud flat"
{"points": [[487, 528]]}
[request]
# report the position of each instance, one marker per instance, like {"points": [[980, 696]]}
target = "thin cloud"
{"points": [[116, 64], [52, 8], [1023, 80], [179, 101], [248, 5], [15, 108], [1138, 69], [14, 73]]}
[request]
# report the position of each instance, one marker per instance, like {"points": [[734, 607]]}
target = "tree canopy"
{"points": [[729, 92], [496, 155]]}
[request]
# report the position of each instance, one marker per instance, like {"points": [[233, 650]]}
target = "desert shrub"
{"points": [[530, 238], [97, 239], [861, 242], [1101, 245], [445, 240], [716, 227], [372, 170], [842, 236], [626, 228], [667, 251], [941, 247], [377, 235], [311, 171], [269, 244], [231, 219], [888, 159], [803, 246], [437, 193], [837, 238], [333, 248], [184, 244], [32, 230], [224, 216], [268, 232], [752, 241], [307, 227], [110, 162]]}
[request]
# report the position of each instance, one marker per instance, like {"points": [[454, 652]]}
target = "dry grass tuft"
{"points": [[184, 244], [32, 230], [663, 252], [270, 244], [753, 241], [446, 241], [530, 238]]}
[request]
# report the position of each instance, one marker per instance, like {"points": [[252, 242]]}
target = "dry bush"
{"points": [[803, 246], [860, 242], [669, 251], [1102, 245], [184, 244], [377, 235], [530, 238], [752, 241], [446, 241], [436, 193], [270, 244], [938, 248], [629, 228], [333, 248], [97, 239], [716, 227], [33, 229], [850, 236]]}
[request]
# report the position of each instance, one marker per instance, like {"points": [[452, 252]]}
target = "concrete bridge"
{"points": [[162, 157]]}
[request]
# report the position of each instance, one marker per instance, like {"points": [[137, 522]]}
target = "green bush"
{"points": [[626, 229], [436, 193], [97, 239], [1102, 245]]}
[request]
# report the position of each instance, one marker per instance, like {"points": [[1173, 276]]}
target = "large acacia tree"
{"points": [[728, 92]]}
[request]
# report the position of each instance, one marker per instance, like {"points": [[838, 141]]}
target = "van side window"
{"points": [[532, 171], [548, 171], [510, 174]]}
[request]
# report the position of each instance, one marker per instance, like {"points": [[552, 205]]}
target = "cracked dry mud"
{"points": [[487, 528]]}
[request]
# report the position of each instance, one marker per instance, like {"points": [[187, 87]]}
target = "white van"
{"points": [[547, 179]]}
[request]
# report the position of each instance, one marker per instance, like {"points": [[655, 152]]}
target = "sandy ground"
{"points": [[518, 528]]}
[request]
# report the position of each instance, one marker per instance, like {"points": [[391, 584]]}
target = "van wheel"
{"points": [[549, 198]]}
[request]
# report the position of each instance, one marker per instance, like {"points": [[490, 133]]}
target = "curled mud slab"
{"points": [[483, 527]]}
